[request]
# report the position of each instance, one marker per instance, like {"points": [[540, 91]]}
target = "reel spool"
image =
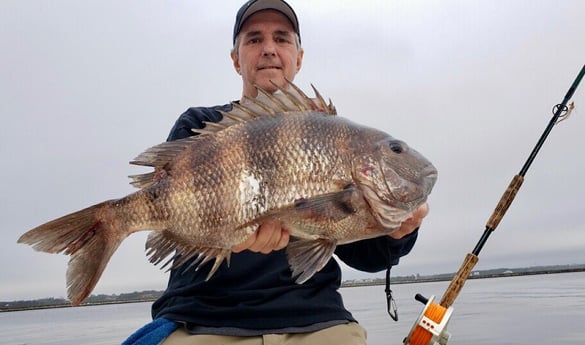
{"points": [[431, 326]]}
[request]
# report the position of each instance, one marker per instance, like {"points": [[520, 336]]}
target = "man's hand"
{"points": [[269, 237], [409, 225]]}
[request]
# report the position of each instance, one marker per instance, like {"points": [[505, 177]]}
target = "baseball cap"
{"points": [[253, 6]]}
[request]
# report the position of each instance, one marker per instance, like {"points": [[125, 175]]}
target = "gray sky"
{"points": [[86, 86]]}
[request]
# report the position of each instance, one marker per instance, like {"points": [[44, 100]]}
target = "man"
{"points": [[255, 300]]}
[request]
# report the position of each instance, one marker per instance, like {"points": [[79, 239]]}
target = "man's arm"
{"points": [[368, 255]]}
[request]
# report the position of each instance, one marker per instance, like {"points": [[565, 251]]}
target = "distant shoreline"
{"points": [[150, 296], [439, 279]]}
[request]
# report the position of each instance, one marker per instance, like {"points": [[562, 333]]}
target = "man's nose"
{"points": [[268, 49]]}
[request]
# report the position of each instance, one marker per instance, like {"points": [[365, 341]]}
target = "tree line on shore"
{"points": [[151, 295]]}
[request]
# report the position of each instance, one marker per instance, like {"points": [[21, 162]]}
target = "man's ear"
{"points": [[300, 59], [235, 61]]}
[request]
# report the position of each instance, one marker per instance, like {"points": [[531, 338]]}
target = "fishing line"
{"points": [[430, 327]]}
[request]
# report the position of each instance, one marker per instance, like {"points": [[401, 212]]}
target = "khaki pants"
{"points": [[346, 334]]}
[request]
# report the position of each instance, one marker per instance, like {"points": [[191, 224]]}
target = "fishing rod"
{"points": [[430, 327]]}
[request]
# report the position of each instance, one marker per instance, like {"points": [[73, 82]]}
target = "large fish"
{"points": [[284, 156]]}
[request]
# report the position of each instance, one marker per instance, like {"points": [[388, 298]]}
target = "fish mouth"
{"points": [[408, 194], [394, 202]]}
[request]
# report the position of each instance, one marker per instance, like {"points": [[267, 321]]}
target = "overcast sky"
{"points": [[86, 86]]}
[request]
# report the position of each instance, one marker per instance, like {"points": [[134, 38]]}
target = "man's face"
{"points": [[267, 51]]}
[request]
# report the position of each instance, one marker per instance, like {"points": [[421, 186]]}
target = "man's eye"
{"points": [[281, 40]]}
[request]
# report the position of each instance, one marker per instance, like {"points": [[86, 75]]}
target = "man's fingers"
{"points": [[409, 225], [269, 237], [421, 212], [284, 239], [246, 244]]}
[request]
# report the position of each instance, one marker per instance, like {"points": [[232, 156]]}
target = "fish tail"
{"points": [[89, 236]]}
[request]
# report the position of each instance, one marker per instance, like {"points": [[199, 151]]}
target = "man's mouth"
{"points": [[267, 67]]}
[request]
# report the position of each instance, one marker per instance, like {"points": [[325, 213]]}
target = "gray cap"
{"points": [[253, 6]]}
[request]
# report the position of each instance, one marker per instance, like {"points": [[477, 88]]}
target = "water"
{"points": [[543, 309]]}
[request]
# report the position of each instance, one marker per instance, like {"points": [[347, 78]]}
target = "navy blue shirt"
{"points": [[257, 291]]}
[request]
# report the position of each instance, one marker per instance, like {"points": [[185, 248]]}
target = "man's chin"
{"points": [[268, 84]]}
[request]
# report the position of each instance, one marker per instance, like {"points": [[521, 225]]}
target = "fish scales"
{"points": [[261, 175], [285, 157], [296, 147]]}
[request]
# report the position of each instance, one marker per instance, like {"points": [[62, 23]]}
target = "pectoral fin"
{"points": [[328, 207], [308, 257], [317, 210]]}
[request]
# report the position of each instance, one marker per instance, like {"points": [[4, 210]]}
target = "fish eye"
{"points": [[396, 147]]}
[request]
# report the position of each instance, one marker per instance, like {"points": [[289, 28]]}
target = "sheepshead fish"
{"points": [[282, 156]]}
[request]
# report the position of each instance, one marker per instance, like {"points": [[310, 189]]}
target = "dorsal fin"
{"points": [[157, 157], [285, 100]]}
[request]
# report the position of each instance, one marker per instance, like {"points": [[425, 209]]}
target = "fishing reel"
{"points": [[431, 326]]}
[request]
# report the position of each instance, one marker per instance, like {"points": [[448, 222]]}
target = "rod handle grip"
{"points": [[459, 280], [505, 202]]}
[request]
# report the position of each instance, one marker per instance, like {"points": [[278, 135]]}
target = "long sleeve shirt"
{"points": [[257, 294]]}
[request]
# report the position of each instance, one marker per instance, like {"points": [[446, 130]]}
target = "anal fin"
{"points": [[161, 244]]}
